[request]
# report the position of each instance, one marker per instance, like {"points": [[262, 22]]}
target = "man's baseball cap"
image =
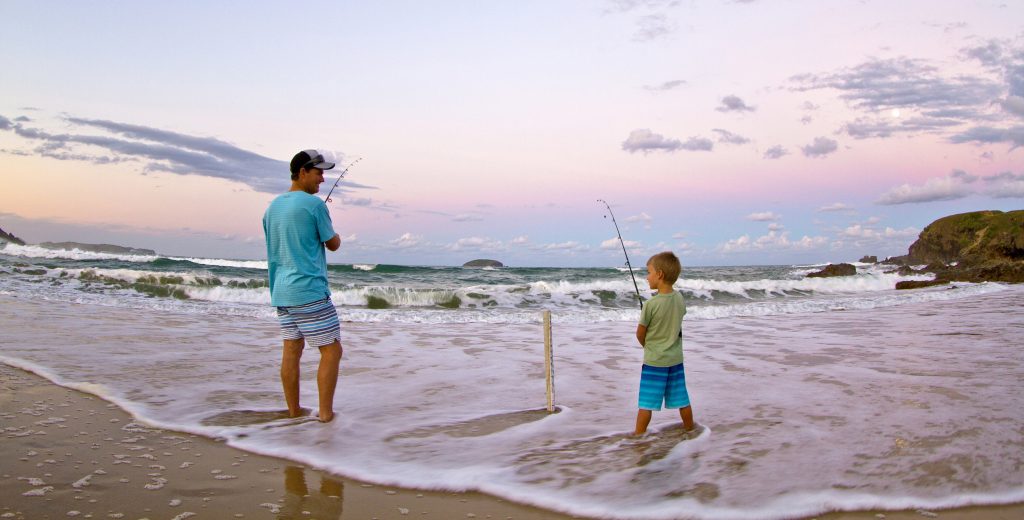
{"points": [[310, 159]]}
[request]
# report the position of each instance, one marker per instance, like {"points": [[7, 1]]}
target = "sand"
{"points": [[68, 454]]}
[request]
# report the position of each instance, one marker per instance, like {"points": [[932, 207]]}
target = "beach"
{"points": [[68, 454], [813, 395], [92, 460], [913, 408]]}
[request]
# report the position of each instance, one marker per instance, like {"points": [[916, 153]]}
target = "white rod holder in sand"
{"points": [[549, 367]]}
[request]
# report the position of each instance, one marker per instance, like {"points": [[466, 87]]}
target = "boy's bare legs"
{"points": [[686, 414], [290, 356], [643, 419], [327, 378]]}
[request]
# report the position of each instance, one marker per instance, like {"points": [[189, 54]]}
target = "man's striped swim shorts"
{"points": [[663, 384], [315, 322]]}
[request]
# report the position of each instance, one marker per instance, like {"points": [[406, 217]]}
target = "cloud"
{"points": [[571, 246], [653, 26], [646, 141], [734, 104], [864, 128], [862, 232], [698, 144], [163, 151], [765, 216], [466, 217], [990, 54], [821, 147], [838, 206], [477, 244], [668, 85], [775, 152], [1005, 185], [613, 243], [407, 240], [520, 240], [945, 188], [631, 5], [773, 241], [964, 176], [991, 135], [6, 124], [1013, 105], [957, 185], [725, 136], [903, 82], [642, 217]]}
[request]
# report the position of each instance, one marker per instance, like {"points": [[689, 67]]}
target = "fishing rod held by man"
{"points": [[341, 176]]}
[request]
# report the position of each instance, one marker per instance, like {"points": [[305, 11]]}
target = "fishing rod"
{"points": [[343, 172], [623, 244]]}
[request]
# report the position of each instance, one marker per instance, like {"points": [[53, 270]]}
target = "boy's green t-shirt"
{"points": [[663, 317]]}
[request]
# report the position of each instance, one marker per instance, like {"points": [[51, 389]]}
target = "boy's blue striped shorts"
{"points": [[315, 322], [663, 384]]}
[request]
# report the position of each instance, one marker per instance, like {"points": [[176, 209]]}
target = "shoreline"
{"points": [[75, 455]]}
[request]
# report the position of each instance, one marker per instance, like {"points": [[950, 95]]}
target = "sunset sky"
{"points": [[731, 132]]}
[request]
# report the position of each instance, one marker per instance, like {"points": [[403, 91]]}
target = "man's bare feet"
{"points": [[303, 412], [326, 417]]}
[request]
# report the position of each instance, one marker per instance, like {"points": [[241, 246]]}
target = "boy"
{"points": [[660, 333]]}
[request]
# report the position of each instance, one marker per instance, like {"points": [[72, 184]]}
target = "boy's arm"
{"points": [[641, 335]]}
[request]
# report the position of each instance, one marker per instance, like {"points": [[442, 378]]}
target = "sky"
{"points": [[731, 132]]}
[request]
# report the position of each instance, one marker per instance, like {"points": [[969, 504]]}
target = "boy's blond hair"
{"points": [[668, 263]]}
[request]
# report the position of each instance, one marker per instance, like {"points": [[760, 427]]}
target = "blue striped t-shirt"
{"points": [[295, 226]]}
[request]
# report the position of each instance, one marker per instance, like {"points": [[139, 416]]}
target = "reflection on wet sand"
{"points": [[325, 504]]}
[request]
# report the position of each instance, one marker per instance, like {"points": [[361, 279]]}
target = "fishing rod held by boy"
{"points": [[623, 244]]}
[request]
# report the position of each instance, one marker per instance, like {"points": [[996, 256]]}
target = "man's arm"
{"points": [[334, 243], [641, 335]]}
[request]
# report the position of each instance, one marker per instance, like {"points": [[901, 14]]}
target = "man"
{"points": [[297, 227]]}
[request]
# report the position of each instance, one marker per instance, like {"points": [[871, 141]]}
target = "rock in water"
{"points": [[869, 259], [917, 284], [835, 270], [483, 262]]}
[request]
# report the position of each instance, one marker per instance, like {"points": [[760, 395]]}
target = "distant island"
{"points": [[483, 262], [98, 248]]}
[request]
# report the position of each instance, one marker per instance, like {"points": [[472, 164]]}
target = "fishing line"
{"points": [[343, 172], [623, 244]]}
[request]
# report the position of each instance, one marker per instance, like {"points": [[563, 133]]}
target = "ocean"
{"points": [[813, 394]]}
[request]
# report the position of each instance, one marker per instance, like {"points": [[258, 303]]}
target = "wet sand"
{"points": [[68, 454]]}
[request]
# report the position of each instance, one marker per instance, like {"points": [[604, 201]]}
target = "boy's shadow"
{"points": [[325, 504]]}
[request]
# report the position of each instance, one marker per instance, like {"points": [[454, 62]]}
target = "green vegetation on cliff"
{"points": [[974, 247]]}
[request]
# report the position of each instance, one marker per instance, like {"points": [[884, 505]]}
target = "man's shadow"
{"points": [[325, 504]]}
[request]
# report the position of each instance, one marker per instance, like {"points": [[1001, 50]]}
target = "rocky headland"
{"points": [[970, 247], [8, 237]]}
